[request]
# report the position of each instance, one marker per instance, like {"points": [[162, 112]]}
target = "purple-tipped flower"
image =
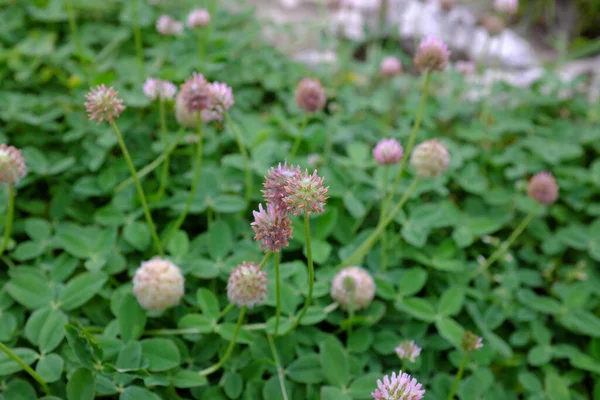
{"points": [[430, 159], [158, 284], [432, 55], [271, 227], [159, 89], [103, 104], [398, 387], [167, 25], [388, 152], [390, 66], [197, 94], [353, 287], [274, 186], [408, 350], [506, 6], [247, 285], [543, 188], [222, 100], [305, 193], [12, 165], [471, 341], [198, 18], [310, 95]]}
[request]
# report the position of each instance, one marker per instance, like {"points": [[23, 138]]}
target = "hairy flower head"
{"points": [[310, 95], [158, 284], [198, 18], [388, 152], [305, 193], [390, 66], [398, 387], [543, 188], [275, 182], [471, 342], [159, 89], [103, 104], [271, 227], [432, 55], [167, 25], [353, 287], [12, 165], [196, 94], [222, 100], [247, 285], [430, 159], [408, 350]]}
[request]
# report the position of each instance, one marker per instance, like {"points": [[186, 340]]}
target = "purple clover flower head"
{"points": [[471, 342], [398, 387], [432, 55], [197, 94], [275, 182], [305, 193], [247, 285], [388, 152], [310, 95], [408, 350], [12, 165], [543, 188], [222, 100], [103, 104], [390, 66], [272, 228], [198, 18]]}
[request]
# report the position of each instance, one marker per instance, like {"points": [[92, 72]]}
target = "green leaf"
{"points": [[418, 308], [28, 250], [132, 318], [130, 357], [188, 379], [233, 384], [52, 331], [228, 204], [86, 348], [334, 362], [137, 234], [81, 385], [412, 281], [220, 240], [162, 354], [333, 393], [362, 387], [450, 330], [30, 290], [354, 205], [451, 301], [50, 367], [9, 367], [306, 369], [81, 289], [208, 303], [137, 393], [555, 388]]}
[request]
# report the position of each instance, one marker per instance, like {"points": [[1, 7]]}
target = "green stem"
{"points": [[140, 190], [226, 311], [265, 259], [26, 367], [201, 46], [9, 218], [459, 375], [229, 350], [351, 313], [73, 27], [364, 248], [503, 248], [277, 293], [280, 372], [137, 34], [298, 138], [411, 141], [165, 140], [244, 153], [154, 164], [381, 215], [311, 275], [195, 181]]}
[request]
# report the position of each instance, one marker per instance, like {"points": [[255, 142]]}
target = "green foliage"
{"points": [[66, 303]]}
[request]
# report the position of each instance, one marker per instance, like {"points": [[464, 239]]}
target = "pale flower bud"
{"points": [[408, 350], [390, 66], [198, 18], [159, 89], [471, 342], [103, 104], [430, 159], [388, 152], [247, 285], [432, 55], [310, 95], [158, 284], [353, 287], [506, 6], [167, 25], [543, 188], [12, 165]]}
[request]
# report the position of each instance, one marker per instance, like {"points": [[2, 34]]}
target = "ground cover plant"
{"points": [[188, 214]]}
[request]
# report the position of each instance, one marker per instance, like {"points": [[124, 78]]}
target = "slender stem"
{"points": [[459, 375], [265, 259], [381, 215], [73, 27], [9, 218], [140, 190], [311, 275], [229, 350], [503, 248], [154, 164], [26, 367], [137, 35], [298, 138], [165, 140], [201, 46], [195, 181], [278, 366], [226, 311], [244, 153], [411, 141], [351, 313], [364, 248], [277, 293]]}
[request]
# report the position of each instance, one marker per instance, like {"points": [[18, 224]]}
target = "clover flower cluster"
{"points": [[408, 350], [202, 101], [247, 285], [158, 284], [353, 287], [12, 165], [310, 95], [159, 89], [167, 25], [432, 55], [103, 104], [398, 387]]}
